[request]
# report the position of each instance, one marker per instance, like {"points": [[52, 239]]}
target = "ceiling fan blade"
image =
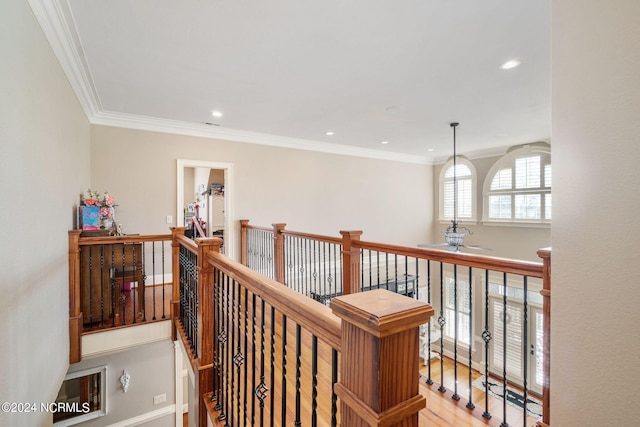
{"points": [[480, 248], [431, 245]]}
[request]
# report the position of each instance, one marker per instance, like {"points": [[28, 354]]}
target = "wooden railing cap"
{"points": [[381, 312]]}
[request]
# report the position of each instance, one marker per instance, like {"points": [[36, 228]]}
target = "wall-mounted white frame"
{"points": [[102, 411], [229, 231]]}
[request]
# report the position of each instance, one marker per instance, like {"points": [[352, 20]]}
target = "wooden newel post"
{"points": [[545, 254], [205, 320], [243, 241], [175, 278], [379, 366], [75, 316], [350, 263], [278, 252]]}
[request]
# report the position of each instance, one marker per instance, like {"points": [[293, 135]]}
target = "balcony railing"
{"points": [[264, 353], [117, 282], [492, 314]]}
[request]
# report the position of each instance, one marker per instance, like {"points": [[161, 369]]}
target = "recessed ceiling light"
{"points": [[216, 113], [384, 142], [329, 133], [430, 150], [512, 63]]}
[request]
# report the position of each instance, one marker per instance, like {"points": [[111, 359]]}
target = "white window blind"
{"points": [[518, 187], [464, 310], [464, 183]]}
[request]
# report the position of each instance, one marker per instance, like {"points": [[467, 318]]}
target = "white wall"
{"points": [[44, 165], [151, 370], [595, 351], [314, 192]]}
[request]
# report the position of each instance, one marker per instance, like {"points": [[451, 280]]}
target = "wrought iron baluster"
{"points": [[470, 403], [272, 361], [101, 287], [232, 347], [246, 349], [429, 379], [222, 339], [525, 350], [298, 421], [284, 371], [163, 284], [153, 273], [486, 337], [441, 321], [314, 381], [253, 356], [113, 286], [90, 247], [122, 295], [504, 349], [334, 380], [216, 331], [262, 390], [455, 333], [135, 275]]}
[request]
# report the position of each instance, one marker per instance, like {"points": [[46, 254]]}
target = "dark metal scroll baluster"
{"points": [[153, 273], [377, 269], [246, 349], [486, 337], [91, 287], [232, 347], [455, 333], [216, 331], [470, 404], [262, 390], [122, 295], [135, 275], [525, 350], [504, 349], [284, 371], [273, 361], [314, 381], [163, 284], [441, 321], [101, 287], [113, 287], [222, 339], [253, 357], [298, 422], [334, 380]]}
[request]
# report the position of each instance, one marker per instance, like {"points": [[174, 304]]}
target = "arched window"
{"points": [[518, 186], [465, 178]]}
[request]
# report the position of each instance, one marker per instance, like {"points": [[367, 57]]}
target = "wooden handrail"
{"points": [[108, 240], [524, 268], [310, 236], [314, 317]]}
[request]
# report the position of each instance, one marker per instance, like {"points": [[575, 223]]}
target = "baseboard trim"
{"points": [[145, 418]]}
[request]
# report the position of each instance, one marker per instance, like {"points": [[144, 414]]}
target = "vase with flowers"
{"points": [[98, 210]]}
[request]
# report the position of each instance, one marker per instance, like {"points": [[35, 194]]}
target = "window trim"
{"points": [[474, 185], [508, 160]]}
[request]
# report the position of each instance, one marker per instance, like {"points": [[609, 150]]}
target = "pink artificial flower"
{"points": [[90, 201], [106, 212], [108, 200]]}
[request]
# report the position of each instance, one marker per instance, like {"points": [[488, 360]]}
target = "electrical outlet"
{"points": [[160, 398], [169, 219]]}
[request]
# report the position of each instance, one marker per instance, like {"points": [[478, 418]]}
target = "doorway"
{"points": [[217, 204]]}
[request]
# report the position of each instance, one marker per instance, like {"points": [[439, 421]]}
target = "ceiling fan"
{"points": [[454, 234]]}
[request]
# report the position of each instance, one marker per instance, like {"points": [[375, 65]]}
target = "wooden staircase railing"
{"points": [[359, 263], [275, 354]]}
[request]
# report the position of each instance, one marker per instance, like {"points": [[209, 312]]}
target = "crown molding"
{"points": [[130, 121], [56, 20]]}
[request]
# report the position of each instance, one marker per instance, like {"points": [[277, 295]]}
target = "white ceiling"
{"points": [[286, 71]]}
